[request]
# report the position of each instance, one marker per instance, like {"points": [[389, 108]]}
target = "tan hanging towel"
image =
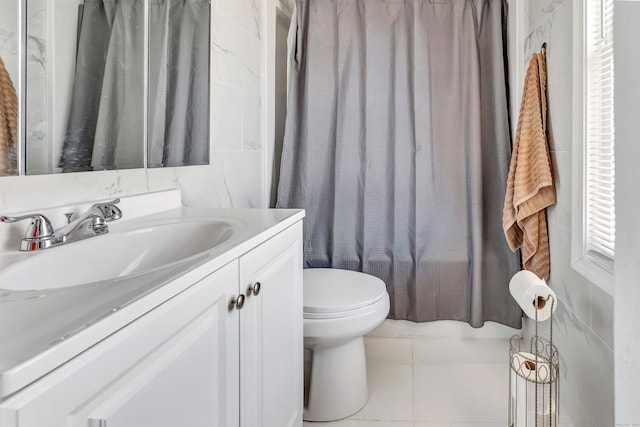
{"points": [[8, 122], [530, 186]]}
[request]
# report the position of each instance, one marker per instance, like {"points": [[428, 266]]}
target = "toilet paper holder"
{"points": [[534, 374]]}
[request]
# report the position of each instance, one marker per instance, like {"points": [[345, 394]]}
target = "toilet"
{"points": [[340, 307]]}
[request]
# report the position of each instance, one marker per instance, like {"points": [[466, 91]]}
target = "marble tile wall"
{"points": [[627, 271], [235, 176], [583, 324]]}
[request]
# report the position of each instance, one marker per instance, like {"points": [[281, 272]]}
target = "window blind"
{"points": [[600, 132]]}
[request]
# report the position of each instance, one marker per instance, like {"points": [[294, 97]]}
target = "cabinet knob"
{"points": [[255, 288], [237, 302]]}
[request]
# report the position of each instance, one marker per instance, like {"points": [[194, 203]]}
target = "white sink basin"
{"points": [[115, 255]]}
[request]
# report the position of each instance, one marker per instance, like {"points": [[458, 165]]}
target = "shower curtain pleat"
{"points": [[397, 145]]}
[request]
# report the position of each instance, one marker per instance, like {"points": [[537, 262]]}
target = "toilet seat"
{"points": [[332, 293]]}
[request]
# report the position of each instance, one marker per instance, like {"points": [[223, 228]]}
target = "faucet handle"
{"points": [[38, 232], [109, 210], [40, 226]]}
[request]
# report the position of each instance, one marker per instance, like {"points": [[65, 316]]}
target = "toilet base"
{"points": [[337, 381]]}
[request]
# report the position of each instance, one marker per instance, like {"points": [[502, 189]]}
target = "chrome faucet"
{"points": [[41, 235]]}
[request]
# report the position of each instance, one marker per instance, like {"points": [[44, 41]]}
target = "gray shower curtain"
{"points": [[397, 145], [105, 127]]}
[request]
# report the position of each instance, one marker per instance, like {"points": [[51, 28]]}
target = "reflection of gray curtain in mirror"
{"points": [[397, 145], [178, 82], [105, 129]]}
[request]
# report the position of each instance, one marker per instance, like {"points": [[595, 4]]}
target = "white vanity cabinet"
{"points": [[271, 368], [194, 361]]}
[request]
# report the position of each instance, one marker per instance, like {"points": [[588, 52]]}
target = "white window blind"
{"points": [[599, 151]]}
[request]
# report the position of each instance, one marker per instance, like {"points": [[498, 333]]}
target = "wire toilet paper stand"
{"points": [[534, 377]]}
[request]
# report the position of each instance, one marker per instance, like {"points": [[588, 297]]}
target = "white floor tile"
{"points": [[478, 425], [461, 393], [460, 351], [340, 423], [417, 380], [432, 425], [397, 351], [442, 329], [459, 425], [390, 393], [394, 329], [360, 423]]}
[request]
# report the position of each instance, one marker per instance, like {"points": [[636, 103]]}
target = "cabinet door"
{"points": [[175, 366], [271, 334]]}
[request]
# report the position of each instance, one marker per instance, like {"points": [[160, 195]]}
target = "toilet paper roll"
{"points": [[529, 290]]}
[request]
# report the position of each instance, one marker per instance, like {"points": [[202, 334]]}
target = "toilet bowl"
{"points": [[340, 307]]}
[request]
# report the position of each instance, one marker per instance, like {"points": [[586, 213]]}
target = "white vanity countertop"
{"points": [[40, 330]]}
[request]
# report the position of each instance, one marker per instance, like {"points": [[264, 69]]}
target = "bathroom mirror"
{"points": [[116, 84], [9, 71]]}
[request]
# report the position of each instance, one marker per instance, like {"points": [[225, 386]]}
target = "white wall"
{"points": [[583, 324], [235, 176], [627, 270]]}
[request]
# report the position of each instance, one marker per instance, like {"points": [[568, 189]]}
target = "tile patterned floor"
{"points": [[423, 381]]}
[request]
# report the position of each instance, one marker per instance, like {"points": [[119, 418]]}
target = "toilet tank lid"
{"points": [[330, 290]]}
